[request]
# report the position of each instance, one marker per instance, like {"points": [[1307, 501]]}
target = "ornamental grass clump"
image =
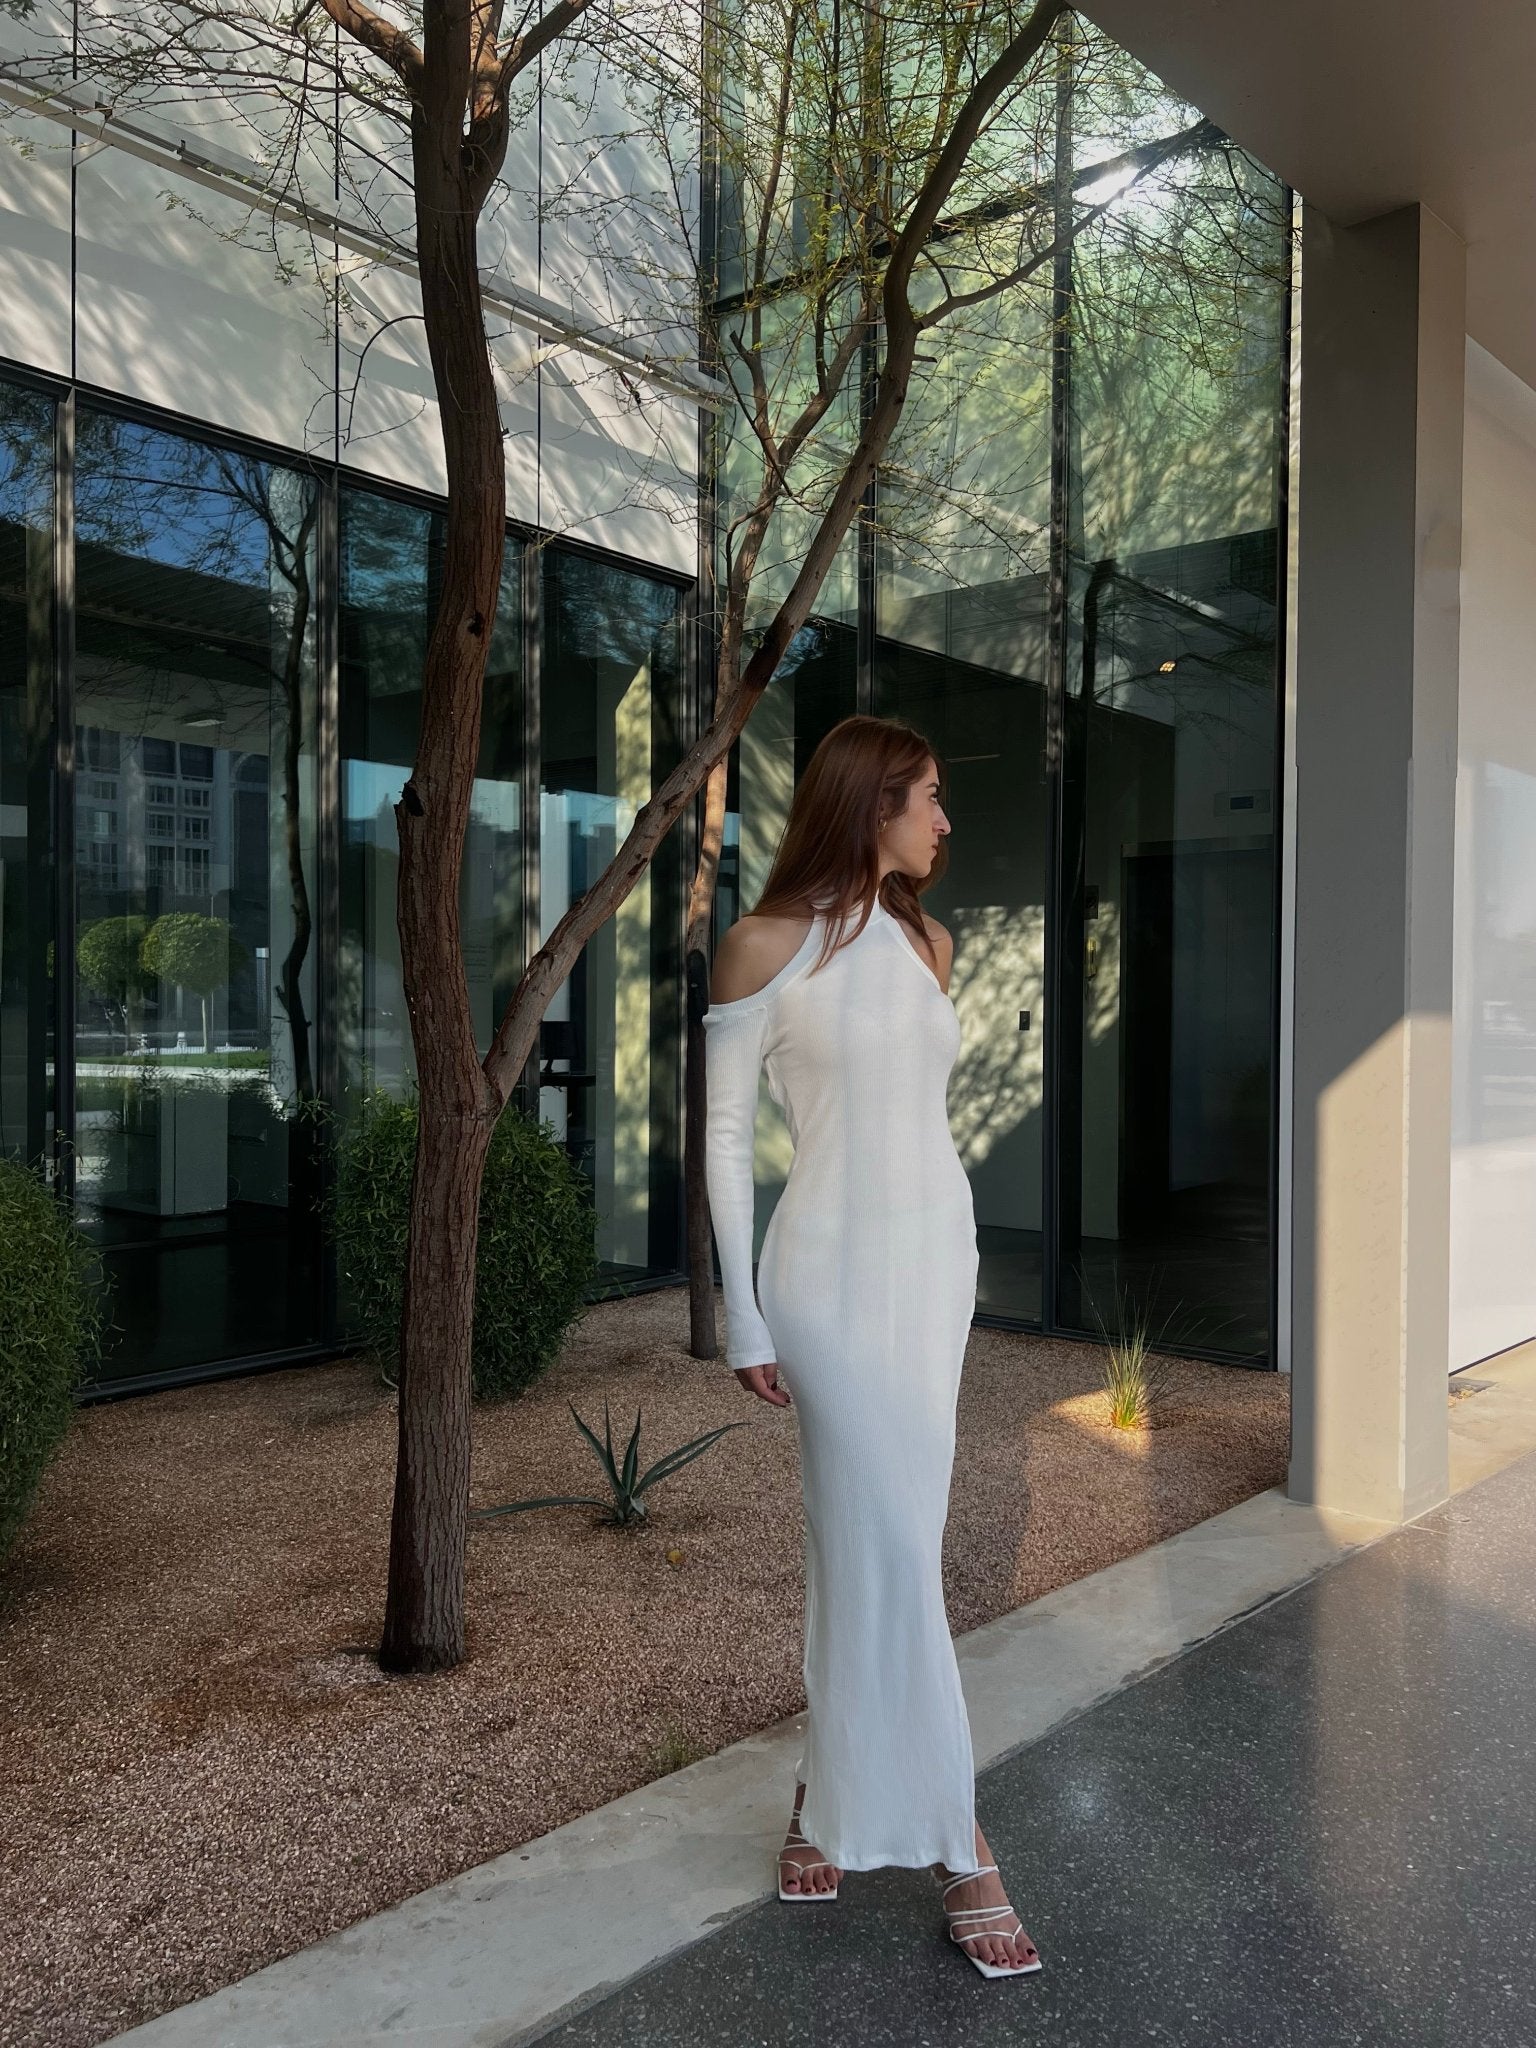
{"points": [[50, 1328], [537, 1250], [1134, 1376]]}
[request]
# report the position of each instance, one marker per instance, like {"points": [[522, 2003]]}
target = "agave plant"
{"points": [[626, 1482]]}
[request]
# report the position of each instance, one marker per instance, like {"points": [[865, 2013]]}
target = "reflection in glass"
{"points": [[389, 565], [962, 597], [26, 724], [610, 1043], [194, 863], [1168, 919]]}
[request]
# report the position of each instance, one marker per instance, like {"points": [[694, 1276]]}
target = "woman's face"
{"points": [[911, 838]]}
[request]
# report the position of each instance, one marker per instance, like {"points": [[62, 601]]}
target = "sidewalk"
{"points": [[1309, 1825], [1319, 1828]]}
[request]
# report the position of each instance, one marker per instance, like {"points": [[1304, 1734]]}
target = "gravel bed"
{"points": [[202, 1769]]}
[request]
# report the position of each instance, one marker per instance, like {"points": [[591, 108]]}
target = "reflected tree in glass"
{"points": [[194, 835]]}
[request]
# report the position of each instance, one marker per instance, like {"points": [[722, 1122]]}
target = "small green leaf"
{"points": [[553, 1500], [674, 1461], [631, 1459]]}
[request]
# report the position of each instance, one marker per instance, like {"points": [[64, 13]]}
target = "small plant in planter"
{"points": [[197, 953], [623, 1505]]}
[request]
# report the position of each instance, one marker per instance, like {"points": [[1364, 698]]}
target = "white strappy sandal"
{"points": [[958, 1914], [796, 1840]]}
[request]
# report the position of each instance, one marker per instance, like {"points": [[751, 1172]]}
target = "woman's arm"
{"points": [[733, 1051]]}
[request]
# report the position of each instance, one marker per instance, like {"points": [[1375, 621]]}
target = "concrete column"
{"points": [[1383, 338]]}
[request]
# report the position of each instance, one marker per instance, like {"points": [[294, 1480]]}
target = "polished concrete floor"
{"points": [[1318, 1828]]}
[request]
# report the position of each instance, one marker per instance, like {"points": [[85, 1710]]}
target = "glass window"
{"points": [[389, 564], [26, 779], [1168, 936], [194, 659], [962, 653], [610, 701]]}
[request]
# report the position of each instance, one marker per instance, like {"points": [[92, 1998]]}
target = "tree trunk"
{"points": [[424, 1610], [703, 1338]]}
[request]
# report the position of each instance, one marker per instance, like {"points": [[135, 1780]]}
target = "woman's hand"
{"points": [[763, 1380]]}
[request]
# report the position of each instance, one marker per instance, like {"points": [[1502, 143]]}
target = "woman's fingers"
{"points": [[763, 1380]]}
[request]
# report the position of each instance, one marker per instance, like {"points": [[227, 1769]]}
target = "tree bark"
{"points": [[703, 1337], [424, 1609]]}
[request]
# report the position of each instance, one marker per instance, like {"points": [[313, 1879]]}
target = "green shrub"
{"points": [[537, 1252], [50, 1326]]}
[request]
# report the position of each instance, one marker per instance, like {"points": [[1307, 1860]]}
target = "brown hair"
{"points": [[829, 853]]}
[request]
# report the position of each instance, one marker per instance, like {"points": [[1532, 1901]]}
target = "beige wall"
{"points": [[1493, 1157]]}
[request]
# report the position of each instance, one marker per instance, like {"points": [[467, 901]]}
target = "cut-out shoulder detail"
{"points": [[759, 998], [732, 949]]}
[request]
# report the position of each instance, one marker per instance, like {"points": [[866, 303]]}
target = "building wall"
{"points": [[150, 287], [1493, 1163]]}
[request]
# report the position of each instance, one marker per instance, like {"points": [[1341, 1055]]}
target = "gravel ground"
{"points": [[202, 1770]]}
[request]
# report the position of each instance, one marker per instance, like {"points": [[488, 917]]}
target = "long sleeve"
{"points": [[734, 1034]]}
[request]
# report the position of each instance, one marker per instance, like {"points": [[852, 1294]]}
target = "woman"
{"points": [[837, 985]]}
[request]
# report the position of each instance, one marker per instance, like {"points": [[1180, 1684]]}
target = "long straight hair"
{"points": [[828, 856]]}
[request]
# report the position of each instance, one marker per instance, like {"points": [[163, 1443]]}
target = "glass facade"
{"points": [[219, 934], [1069, 580], [610, 701], [193, 684], [962, 650], [388, 551], [27, 790], [1169, 739], [1066, 572]]}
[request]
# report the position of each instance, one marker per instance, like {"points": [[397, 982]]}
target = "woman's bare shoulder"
{"points": [[752, 952], [938, 935], [943, 948]]}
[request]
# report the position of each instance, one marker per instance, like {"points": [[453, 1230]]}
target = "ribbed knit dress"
{"points": [[867, 1284]]}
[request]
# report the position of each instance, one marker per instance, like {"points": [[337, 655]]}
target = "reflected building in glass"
{"points": [[200, 756], [1067, 574]]}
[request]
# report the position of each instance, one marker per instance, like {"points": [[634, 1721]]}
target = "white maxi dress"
{"points": [[867, 1284]]}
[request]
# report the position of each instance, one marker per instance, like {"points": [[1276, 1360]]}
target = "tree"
{"points": [[109, 954], [195, 952], [891, 173]]}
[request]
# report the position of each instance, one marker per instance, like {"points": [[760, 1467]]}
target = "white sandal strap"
{"points": [[956, 1914], [796, 1840]]}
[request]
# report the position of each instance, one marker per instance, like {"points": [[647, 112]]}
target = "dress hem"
{"points": [[906, 1860]]}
